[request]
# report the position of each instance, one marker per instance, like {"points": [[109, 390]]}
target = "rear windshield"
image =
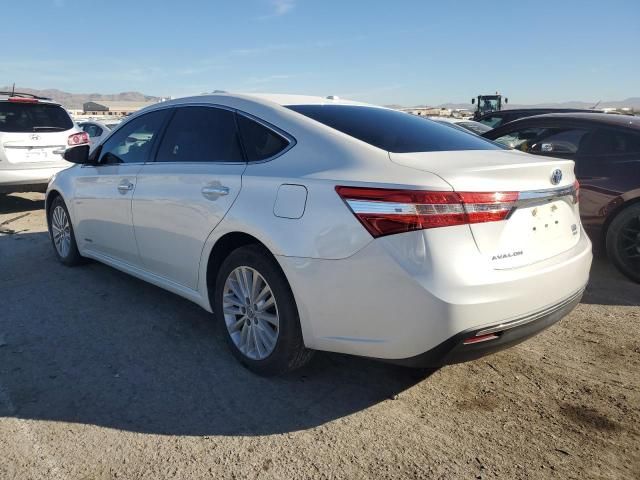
{"points": [[33, 117], [394, 131]]}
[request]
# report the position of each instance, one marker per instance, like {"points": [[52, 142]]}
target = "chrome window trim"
{"points": [[287, 136]]}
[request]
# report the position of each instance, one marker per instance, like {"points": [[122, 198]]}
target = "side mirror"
{"points": [[79, 154], [506, 100], [473, 101]]}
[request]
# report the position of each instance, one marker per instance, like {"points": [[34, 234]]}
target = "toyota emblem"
{"points": [[556, 176], [35, 137]]}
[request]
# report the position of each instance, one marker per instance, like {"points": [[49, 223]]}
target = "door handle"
{"points": [[125, 186], [213, 192]]}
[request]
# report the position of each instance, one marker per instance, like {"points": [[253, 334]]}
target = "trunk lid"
{"points": [[544, 222]]}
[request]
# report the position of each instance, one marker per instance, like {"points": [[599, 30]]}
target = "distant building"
{"points": [[428, 111], [116, 109]]}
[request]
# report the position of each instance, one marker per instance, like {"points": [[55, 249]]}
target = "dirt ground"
{"points": [[103, 376]]}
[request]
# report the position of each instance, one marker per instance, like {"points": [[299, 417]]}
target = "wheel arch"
{"points": [[223, 246], [49, 198], [613, 214]]}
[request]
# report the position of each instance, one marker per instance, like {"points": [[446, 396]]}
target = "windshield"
{"points": [[393, 131], [33, 117]]}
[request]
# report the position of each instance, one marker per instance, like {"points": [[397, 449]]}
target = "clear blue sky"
{"points": [[405, 52]]}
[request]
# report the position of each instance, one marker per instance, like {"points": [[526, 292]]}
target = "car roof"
{"points": [[5, 96], [610, 119], [266, 99]]}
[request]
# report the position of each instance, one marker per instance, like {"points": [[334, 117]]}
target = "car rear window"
{"points": [[33, 117], [393, 131]]}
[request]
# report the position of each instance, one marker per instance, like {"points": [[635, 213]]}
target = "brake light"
{"points": [[76, 139], [576, 192], [22, 100], [388, 211]]}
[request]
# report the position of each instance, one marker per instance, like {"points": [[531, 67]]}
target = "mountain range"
{"points": [[75, 100]]}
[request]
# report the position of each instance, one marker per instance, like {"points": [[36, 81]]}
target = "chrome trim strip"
{"points": [[530, 318], [31, 147], [542, 196], [387, 208]]}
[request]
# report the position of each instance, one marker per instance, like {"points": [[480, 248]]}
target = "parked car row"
{"points": [[307, 223]]}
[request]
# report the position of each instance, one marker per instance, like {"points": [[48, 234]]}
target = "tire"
{"points": [[262, 330], [62, 234], [623, 242]]}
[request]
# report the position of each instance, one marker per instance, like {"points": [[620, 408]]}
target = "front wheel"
{"points": [[254, 300], [61, 233], [623, 242]]}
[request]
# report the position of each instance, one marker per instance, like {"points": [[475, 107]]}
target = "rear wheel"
{"points": [[623, 242], [61, 233], [253, 299]]}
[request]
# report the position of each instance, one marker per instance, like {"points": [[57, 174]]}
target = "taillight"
{"points": [[385, 211], [576, 192], [78, 139]]}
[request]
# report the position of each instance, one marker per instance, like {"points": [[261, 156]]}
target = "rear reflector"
{"points": [[76, 139], [388, 211], [480, 339]]}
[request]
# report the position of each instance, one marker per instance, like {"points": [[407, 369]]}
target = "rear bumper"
{"points": [[455, 350], [407, 294], [28, 179]]}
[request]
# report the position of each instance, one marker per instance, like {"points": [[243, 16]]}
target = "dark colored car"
{"points": [[606, 151], [499, 118]]}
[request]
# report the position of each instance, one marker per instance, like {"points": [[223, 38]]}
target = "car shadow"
{"points": [[607, 286], [92, 345], [19, 203], [95, 346]]}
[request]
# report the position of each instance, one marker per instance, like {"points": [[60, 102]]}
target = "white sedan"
{"points": [[97, 131], [308, 223]]}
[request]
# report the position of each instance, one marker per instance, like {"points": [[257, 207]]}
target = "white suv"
{"points": [[34, 133]]}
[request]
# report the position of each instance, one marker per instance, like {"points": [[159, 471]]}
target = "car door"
{"points": [[103, 190], [185, 192], [607, 167]]}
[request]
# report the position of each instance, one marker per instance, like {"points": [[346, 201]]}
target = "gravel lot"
{"points": [[103, 376]]}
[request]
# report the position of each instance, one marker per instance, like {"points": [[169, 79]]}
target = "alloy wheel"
{"points": [[629, 242], [250, 313], [61, 231]]}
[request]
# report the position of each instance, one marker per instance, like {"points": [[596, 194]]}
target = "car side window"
{"points": [[520, 139], [259, 141], [132, 142], [558, 141], [611, 142], [201, 134]]}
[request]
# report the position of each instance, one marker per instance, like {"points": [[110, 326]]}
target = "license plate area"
{"points": [[535, 233], [20, 155]]}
